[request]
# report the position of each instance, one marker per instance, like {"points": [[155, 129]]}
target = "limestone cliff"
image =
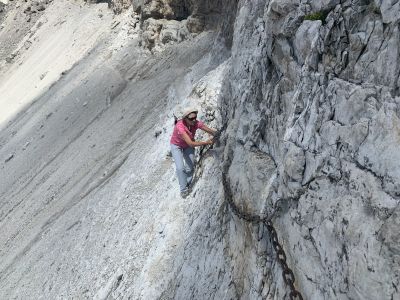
{"points": [[306, 94], [315, 86]]}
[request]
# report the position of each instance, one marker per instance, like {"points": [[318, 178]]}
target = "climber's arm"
{"points": [[209, 130], [193, 144]]}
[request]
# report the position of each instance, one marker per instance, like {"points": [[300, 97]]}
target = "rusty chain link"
{"points": [[287, 273], [202, 154]]}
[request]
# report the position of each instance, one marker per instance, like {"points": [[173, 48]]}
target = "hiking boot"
{"points": [[185, 193]]}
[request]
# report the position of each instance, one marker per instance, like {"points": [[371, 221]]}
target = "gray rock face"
{"points": [[321, 98], [157, 33], [163, 9], [389, 9], [307, 94], [165, 21]]}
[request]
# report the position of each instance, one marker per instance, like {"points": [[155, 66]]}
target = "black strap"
{"points": [[175, 119]]}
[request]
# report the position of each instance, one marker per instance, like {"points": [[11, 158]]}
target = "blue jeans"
{"points": [[184, 171]]}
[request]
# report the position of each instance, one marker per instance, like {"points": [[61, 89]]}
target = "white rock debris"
{"points": [[306, 95]]}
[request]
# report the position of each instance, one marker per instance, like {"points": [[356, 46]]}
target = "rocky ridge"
{"points": [[307, 95]]}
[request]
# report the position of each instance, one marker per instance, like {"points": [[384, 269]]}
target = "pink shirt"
{"points": [[180, 128]]}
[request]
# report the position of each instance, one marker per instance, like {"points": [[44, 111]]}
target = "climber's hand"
{"points": [[210, 142]]}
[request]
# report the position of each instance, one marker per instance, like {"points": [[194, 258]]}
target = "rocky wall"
{"points": [[315, 87], [171, 21]]}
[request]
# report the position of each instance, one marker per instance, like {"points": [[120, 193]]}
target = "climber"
{"points": [[182, 146]]}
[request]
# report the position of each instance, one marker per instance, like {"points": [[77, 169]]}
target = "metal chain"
{"points": [[202, 154], [287, 273], [199, 164]]}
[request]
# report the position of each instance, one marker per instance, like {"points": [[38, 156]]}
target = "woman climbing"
{"points": [[182, 146]]}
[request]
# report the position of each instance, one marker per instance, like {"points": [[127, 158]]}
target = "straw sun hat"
{"points": [[188, 111]]}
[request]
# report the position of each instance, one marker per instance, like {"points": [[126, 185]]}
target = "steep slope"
{"points": [[62, 35], [307, 98], [89, 200]]}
